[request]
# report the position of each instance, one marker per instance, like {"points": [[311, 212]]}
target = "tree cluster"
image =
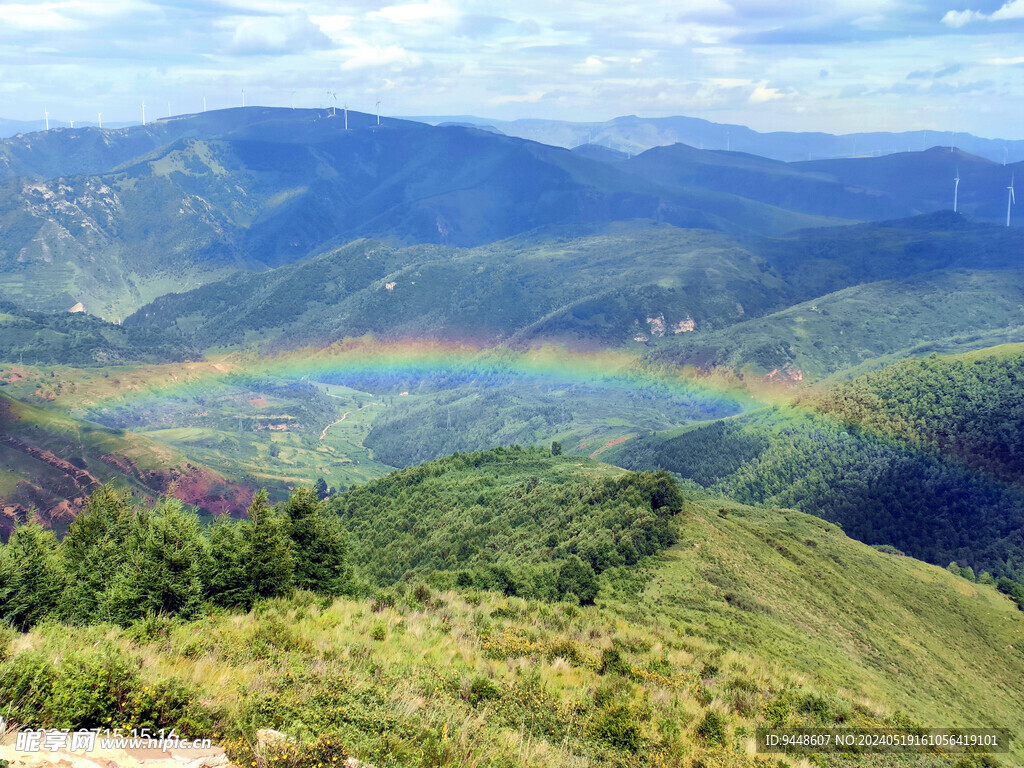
{"points": [[121, 561]]}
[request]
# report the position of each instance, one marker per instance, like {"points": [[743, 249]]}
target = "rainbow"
{"points": [[412, 361]]}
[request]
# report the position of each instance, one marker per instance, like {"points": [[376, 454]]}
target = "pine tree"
{"points": [[166, 558], [31, 577], [321, 547], [268, 550]]}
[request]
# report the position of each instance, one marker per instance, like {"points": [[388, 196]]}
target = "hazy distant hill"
{"points": [[636, 134], [79, 339], [50, 462], [620, 285], [245, 189], [114, 219], [606, 287]]}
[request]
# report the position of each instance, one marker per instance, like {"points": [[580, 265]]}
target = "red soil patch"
{"points": [[608, 445]]}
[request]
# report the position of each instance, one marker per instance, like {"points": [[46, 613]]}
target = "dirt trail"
{"points": [[343, 416]]}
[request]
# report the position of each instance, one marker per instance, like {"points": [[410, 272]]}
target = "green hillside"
{"points": [[271, 190], [40, 338], [865, 326], [634, 283], [751, 618], [609, 287], [50, 462], [924, 455]]}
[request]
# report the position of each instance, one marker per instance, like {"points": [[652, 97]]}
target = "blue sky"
{"points": [[837, 66]]}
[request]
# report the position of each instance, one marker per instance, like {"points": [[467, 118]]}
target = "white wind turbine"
{"points": [[1010, 200], [99, 119], [143, 113], [956, 188], [378, 113], [334, 109], [346, 117], [46, 115]]}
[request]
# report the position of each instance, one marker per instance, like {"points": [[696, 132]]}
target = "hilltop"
{"points": [[752, 617]]}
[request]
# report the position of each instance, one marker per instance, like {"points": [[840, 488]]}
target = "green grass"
{"points": [[753, 613]]}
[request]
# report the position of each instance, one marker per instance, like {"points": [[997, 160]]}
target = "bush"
{"points": [[617, 726], [711, 728], [577, 578], [480, 689], [383, 599]]}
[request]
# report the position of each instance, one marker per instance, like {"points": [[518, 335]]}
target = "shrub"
{"points": [[617, 726], [383, 599], [379, 631], [711, 728], [480, 689], [577, 578]]}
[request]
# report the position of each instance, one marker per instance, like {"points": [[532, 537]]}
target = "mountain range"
{"points": [[632, 135]]}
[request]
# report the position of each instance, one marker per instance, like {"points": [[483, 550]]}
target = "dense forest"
{"points": [[512, 519], [122, 561], [926, 455]]}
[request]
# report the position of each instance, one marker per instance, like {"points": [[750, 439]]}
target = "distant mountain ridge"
{"points": [[632, 134], [114, 219]]}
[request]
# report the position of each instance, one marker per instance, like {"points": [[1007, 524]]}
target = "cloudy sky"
{"points": [[829, 65]]}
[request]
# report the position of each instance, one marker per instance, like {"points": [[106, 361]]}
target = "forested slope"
{"points": [[924, 455]]}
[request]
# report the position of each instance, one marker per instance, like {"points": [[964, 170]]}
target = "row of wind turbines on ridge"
{"points": [[332, 94], [1011, 200]]}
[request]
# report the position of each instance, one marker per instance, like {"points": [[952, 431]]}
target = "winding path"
{"points": [[324, 433]]}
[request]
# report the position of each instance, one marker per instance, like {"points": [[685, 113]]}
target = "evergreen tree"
{"points": [[321, 549], [167, 556], [31, 577], [92, 553], [268, 550]]}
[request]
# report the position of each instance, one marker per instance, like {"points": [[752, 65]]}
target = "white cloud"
{"points": [[1012, 9], [957, 19], [64, 15], [527, 98], [592, 65], [762, 94], [412, 13], [289, 34], [364, 57]]}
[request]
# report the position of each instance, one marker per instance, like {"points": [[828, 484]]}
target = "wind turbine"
{"points": [[99, 119], [346, 117], [243, 98], [143, 113], [1010, 200], [46, 115], [72, 123], [293, 100], [956, 188], [378, 113], [334, 109]]}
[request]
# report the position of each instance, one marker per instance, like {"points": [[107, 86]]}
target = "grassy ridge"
{"points": [[753, 617]]}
